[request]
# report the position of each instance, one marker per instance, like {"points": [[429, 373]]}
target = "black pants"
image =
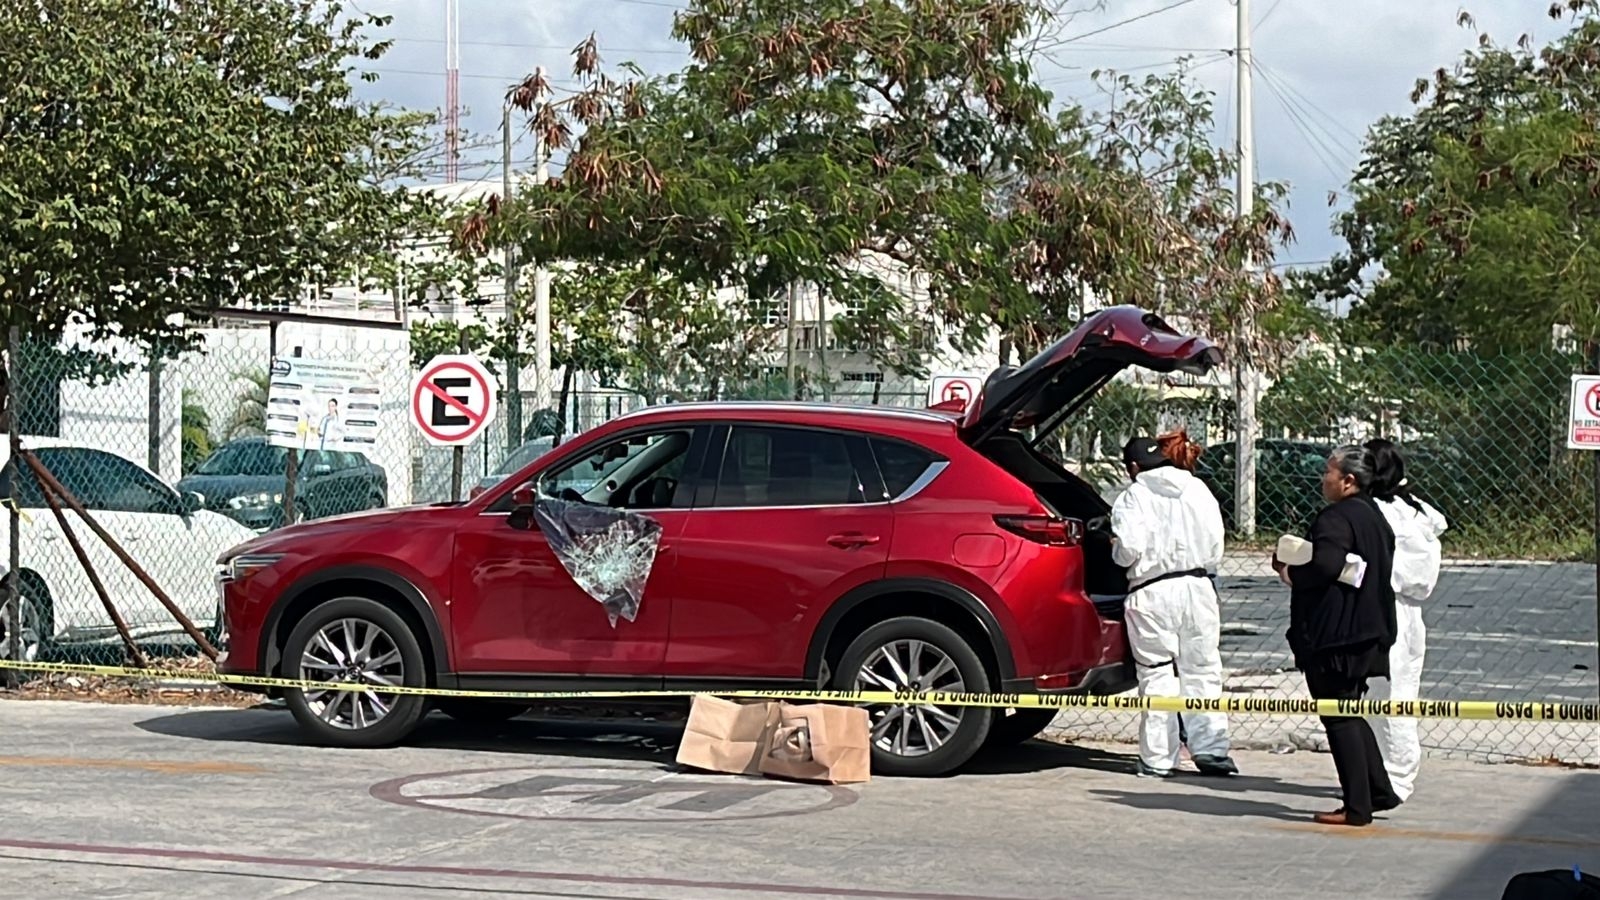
{"points": [[1341, 674]]}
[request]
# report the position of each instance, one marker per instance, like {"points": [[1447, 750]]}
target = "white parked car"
{"points": [[170, 534]]}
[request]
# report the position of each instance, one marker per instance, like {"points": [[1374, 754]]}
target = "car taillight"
{"points": [[1047, 530]]}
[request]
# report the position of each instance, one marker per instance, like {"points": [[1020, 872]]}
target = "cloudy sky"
{"points": [[1325, 69]]}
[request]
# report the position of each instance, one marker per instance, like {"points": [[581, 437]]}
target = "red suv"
{"points": [[800, 546]]}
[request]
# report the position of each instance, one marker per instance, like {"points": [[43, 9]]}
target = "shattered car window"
{"points": [[608, 552]]}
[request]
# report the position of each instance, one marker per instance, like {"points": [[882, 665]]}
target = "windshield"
{"points": [[245, 459], [523, 455]]}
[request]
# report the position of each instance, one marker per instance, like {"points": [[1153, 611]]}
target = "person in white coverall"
{"points": [[1417, 553], [1168, 534]]}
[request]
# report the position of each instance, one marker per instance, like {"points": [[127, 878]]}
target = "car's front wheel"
{"points": [[922, 655], [37, 627], [360, 640]]}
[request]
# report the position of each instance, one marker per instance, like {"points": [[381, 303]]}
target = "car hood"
{"points": [[298, 536], [219, 489], [1058, 381]]}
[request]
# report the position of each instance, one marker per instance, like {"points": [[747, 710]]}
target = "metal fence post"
{"points": [[1594, 361], [13, 581]]}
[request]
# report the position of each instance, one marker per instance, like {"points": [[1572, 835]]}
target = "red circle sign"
{"points": [[1591, 401], [955, 390], [441, 420]]}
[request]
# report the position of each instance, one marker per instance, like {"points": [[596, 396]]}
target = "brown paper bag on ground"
{"points": [[724, 736], [820, 742]]}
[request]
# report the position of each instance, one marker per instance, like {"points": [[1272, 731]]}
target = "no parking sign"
{"points": [[453, 399], [957, 390], [1583, 431]]}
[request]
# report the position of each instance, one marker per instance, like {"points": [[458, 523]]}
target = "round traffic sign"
{"points": [[1591, 401], [452, 399]]}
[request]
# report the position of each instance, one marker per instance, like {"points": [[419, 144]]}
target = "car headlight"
{"points": [[242, 566], [255, 501]]}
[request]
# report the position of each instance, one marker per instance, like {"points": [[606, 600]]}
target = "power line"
{"points": [[1270, 10], [1076, 47], [1233, 99], [1334, 140], [1090, 70], [1128, 21], [681, 51], [1317, 146], [1294, 92]]}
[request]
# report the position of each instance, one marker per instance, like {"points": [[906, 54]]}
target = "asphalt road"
{"points": [[1494, 631], [145, 802]]}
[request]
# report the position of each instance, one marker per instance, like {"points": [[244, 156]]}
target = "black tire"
{"points": [[1016, 726], [480, 712], [974, 722], [405, 711]]}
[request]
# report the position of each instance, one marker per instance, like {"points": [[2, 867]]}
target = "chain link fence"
{"points": [[172, 457]]}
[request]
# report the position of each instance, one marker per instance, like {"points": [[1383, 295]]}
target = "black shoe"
{"points": [[1387, 804], [1215, 765]]}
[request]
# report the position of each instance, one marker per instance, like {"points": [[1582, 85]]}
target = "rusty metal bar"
{"points": [[51, 484], [134, 652]]}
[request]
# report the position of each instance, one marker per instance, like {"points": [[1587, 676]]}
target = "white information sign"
{"points": [[319, 404]]}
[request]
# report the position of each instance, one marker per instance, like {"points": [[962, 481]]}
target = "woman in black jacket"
{"points": [[1341, 633]]}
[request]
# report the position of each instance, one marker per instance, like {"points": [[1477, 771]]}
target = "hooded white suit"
{"points": [[1417, 555], [1167, 522]]}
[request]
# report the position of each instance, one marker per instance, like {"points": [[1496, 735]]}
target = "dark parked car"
{"points": [[1288, 481], [802, 545], [245, 479], [514, 462]]}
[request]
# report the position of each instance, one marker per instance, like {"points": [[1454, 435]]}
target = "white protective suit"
{"points": [[1167, 521], [1417, 555]]}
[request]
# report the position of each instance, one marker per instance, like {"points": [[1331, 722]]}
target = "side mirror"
{"points": [[190, 502], [521, 508]]}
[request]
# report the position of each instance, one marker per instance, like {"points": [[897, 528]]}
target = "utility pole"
{"points": [[452, 90], [822, 343], [541, 290], [1246, 381], [513, 317], [789, 326]]}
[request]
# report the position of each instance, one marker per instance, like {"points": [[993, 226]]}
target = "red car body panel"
{"points": [[738, 593]]}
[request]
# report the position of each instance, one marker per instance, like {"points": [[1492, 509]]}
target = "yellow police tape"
{"points": [[1491, 710]]}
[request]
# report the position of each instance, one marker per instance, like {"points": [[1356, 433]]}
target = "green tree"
{"points": [[847, 145], [249, 416], [158, 159], [196, 429], [1475, 218]]}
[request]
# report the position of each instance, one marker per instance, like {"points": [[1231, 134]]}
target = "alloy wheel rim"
{"points": [[907, 729], [32, 635], [352, 650]]}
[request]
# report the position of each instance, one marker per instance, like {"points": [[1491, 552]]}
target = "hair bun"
{"points": [[1177, 447]]}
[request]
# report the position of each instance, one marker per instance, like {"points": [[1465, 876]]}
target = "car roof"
{"points": [[30, 442], [796, 412]]}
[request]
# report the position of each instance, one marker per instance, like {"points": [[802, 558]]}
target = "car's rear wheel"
{"points": [[361, 640], [918, 654], [1014, 726], [480, 712]]}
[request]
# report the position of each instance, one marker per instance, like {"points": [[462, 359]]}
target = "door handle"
{"points": [[852, 540]]}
